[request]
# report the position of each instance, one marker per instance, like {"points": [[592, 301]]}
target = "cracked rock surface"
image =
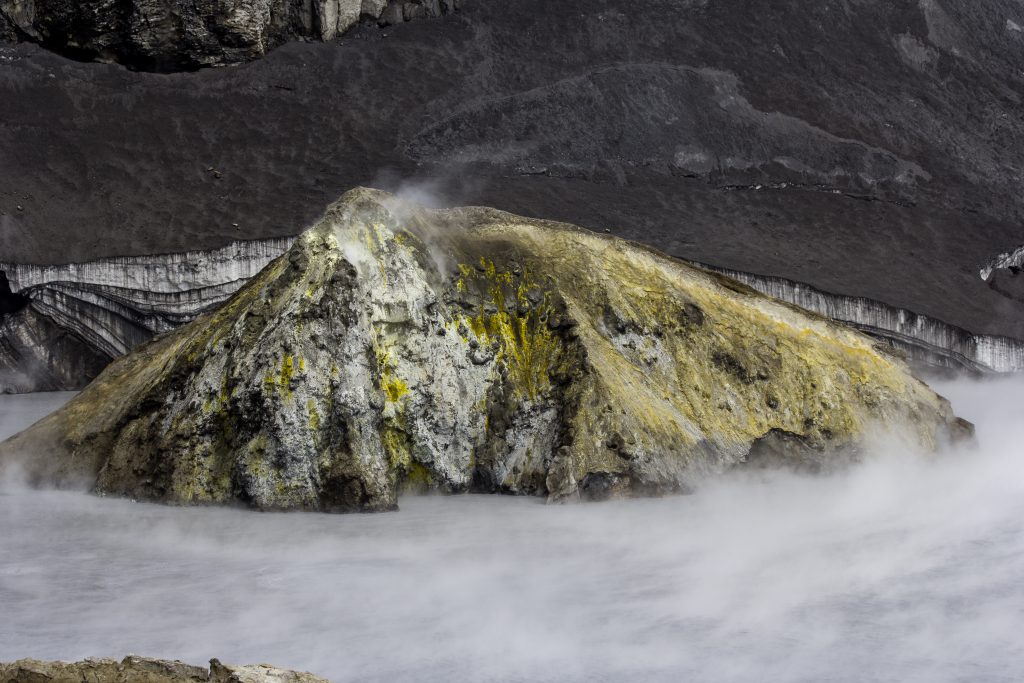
{"points": [[395, 347]]}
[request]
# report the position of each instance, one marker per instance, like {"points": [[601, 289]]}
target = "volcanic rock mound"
{"points": [[394, 347]]}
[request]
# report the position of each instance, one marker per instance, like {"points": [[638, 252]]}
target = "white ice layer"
{"points": [[115, 304], [181, 272], [923, 338]]}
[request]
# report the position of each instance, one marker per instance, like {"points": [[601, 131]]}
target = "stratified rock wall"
{"points": [[80, 313], [37, 354], [472, 350]]}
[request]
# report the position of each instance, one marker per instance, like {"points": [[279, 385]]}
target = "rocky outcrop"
{"points": [[1003, 275], [134, 669], [174, 35], [472, 350]]}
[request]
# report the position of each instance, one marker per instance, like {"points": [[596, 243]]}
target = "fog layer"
{"points": [[899, 570], [21, 410]]}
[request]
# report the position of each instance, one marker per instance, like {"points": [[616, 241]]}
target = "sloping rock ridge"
{"points": [[394, 347], [133, 669], [175, 35]]}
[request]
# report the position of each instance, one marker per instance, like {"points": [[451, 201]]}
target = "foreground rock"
{"points": [[133, 669], [472, 350]]}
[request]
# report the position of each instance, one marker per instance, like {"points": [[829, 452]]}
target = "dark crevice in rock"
{"points": [[812, 187], [1008, 283], [10, 302], [1012, 261]]}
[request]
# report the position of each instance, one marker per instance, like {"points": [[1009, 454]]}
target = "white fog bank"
{"points": [[899, 570], [19, 411]]}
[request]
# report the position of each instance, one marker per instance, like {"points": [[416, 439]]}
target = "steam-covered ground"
{"points": [[901, 570]]}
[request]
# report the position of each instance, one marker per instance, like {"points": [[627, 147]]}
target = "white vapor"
{"points": [[901, 569]]}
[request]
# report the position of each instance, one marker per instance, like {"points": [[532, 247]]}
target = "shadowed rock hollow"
{"points": [[395, 347]]}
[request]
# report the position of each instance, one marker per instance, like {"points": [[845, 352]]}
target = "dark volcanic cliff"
{"points": [[871, 149], [175, 35]]}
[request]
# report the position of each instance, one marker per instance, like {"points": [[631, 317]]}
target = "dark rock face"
{"points": [[871, 149], [176, 35]]}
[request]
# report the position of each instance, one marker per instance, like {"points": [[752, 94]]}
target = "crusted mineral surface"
{"points": [[395, 347]]}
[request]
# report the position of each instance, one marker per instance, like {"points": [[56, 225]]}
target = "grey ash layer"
{"points": [[871, 150]]}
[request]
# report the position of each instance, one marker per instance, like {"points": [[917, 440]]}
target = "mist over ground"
{"points": [[899, 570], [22, 410]]}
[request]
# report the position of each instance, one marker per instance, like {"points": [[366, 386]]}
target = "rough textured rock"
{"points": [[470, 349], [134, 669], [174, 35]]}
